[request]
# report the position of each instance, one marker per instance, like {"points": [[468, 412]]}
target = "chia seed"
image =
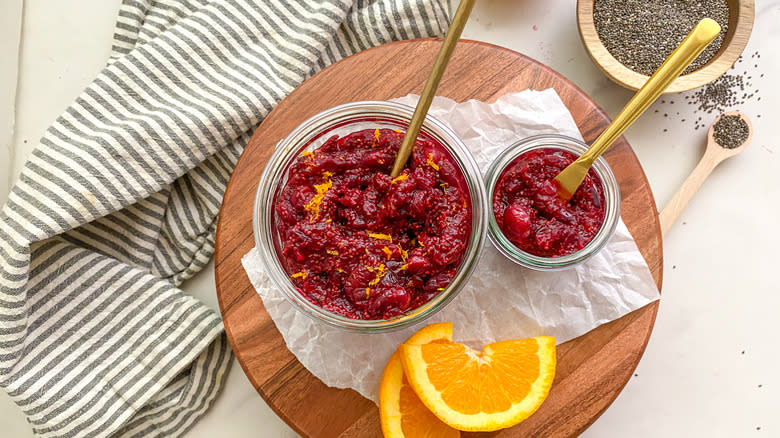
{"points": [[641, 34], [730, 131], [731, 90]]}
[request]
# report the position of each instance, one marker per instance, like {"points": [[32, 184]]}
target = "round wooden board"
{"points": [[592, 369]]}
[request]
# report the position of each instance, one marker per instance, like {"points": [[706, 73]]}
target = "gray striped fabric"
{"points": [[118, 204]]}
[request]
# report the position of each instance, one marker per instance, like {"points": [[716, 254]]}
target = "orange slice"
{"points": [[401, 412], [481, 391]]}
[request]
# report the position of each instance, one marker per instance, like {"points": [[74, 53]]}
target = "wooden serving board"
{"points": [[592, 369]]}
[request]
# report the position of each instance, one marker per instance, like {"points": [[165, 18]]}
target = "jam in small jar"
{"points": [[530, 223]]}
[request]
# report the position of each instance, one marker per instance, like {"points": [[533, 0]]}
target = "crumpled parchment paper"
{"points": [[501, 300]]}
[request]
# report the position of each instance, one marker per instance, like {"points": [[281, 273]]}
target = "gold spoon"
{"points": [[713, 155], [571, 177], [456, 28]]}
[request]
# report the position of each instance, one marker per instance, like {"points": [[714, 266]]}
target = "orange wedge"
{"points": [[481, 391], [401, 412]]}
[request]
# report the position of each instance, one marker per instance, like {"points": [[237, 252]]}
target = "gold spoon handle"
{"points": [[686, 52], [456, 28], [571, 177]]}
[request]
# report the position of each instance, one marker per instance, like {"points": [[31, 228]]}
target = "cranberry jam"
{"points": [[360, 244], [534, 218]]}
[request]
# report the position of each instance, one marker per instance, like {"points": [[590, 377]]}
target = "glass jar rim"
{"points": [[611, 198], [300, 139]]}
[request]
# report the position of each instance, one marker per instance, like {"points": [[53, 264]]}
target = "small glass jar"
{"points": [[611, 197], [342, 120]]}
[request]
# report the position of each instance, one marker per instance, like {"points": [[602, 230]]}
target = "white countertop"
{"points": [[710, 368]]}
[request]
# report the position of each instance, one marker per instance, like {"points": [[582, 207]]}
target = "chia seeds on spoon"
{"points": [[641, 34], [730, 131]]}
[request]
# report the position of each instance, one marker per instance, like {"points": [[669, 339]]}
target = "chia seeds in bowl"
{"points": [[642, 34]]}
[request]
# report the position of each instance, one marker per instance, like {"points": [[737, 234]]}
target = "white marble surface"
{"points": [[710, 366]]}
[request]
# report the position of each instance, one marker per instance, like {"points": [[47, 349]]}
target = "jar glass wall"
{"points": [[340, 121], [611, 191]]}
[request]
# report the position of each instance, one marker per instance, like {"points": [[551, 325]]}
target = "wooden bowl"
{"points": [[741, 15]]}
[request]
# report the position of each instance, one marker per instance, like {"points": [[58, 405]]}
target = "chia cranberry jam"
{"points": [[534, 218], [358, 243]]}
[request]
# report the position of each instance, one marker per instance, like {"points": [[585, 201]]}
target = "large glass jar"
{"points": [[342, 120]]}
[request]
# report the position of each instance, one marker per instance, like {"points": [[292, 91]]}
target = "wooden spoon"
{"points": [[713, 155], [445, 52]]}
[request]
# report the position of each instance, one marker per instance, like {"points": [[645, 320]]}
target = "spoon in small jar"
{"points": [[570, 178], [426, 97], [713, 155]]}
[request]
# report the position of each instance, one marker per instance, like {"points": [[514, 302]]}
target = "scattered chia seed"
{"points": [[730, 131], [641, 34], [720, 94], [729, 92]]}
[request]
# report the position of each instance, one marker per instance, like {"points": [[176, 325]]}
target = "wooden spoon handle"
{"points": [[684, 194]]}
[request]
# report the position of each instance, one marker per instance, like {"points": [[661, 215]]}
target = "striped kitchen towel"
{"points": [[117, 205]]}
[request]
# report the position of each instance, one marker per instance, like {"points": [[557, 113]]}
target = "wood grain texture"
{"points": [[592, 368], [741, 17]]}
